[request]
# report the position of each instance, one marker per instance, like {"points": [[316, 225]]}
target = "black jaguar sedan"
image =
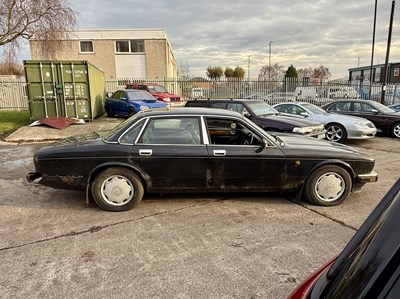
{"points": [[199, 150]]}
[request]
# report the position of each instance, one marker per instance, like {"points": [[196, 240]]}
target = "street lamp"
{"points": [[269, 64]]}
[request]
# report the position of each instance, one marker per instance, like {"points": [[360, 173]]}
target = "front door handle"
{"points": [[219, 152], [145, 152]]}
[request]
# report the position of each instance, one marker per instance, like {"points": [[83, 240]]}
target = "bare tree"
{"points": [[275, 73], [9, 64], [46, 20], [305, 73], [322, 73], [184, 71]]}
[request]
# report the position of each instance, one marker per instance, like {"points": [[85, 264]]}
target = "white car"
{"points": [[338, 127]]}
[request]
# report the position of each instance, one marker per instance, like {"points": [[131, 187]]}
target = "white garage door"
{"points": [[130, 66]]}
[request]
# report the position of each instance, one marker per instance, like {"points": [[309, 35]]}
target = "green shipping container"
{"points": [[64, 88]]}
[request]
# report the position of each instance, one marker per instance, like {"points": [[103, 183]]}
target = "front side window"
{"points": [[86, 46], [230, 132], [340, 107]]}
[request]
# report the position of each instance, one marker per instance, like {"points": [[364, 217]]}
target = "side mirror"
{"points": [[305, 114], [124, 99], [374, 111], [262, 146], [247, 115]]}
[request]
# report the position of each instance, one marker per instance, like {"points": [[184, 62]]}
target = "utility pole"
{"points": [[372, 52], [248, 70], [269, 64], [387, 53]]}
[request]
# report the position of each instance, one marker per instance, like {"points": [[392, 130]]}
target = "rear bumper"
{"points": [[33, 176]]}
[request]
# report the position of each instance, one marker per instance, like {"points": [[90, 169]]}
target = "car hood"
{"points": [[149, 103], [295, 144], [165, 95], [332, 116], [297, 122]]}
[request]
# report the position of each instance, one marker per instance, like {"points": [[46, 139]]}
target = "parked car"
{"points": [[159, 92], [395, 107], [338, 127], [279, 97], [199, 150], [263, 115], [368, 267], [128, 102], [385, 119]]}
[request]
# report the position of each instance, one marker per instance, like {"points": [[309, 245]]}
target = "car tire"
{"points": [[329, 185], [117, 189], [131, 111], [396, 130], [335, 133], [110, 112]]}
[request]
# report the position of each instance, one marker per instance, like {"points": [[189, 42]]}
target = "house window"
{"points": [[131, 46], [396, 72], [122, 46], [86, 46]]}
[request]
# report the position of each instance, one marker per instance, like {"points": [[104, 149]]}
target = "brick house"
{"points": [[120, 53]]}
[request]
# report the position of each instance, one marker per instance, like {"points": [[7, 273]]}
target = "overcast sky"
{"points": [[305, 33]]}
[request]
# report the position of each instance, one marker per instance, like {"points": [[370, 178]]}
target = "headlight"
{"points": [[360, 125], [142, 108], [303, 130], [166, 99]]}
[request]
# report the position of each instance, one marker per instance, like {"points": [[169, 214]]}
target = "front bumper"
{"points": [[364, 178]]}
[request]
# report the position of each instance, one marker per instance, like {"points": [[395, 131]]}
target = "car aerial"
{"points": [[395, 107], [338, 127], [130, 101], [263, 115], [159, 92], [385, 119], [368, 267], [199, 150]]}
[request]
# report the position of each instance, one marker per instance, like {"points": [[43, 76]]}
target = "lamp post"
{"points": [[269, 61]]}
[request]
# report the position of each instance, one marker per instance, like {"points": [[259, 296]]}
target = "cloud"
{"points": [[334, 33]]}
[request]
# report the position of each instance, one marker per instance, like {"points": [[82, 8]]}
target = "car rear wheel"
{"points": [[110, 112], [335, 132], [329, 185], [117, 189], [396, 130]]}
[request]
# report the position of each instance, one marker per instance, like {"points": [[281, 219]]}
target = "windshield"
{"points": [[157, 88], [139, 95], [314, 109], [382, 108], [261, 108]]}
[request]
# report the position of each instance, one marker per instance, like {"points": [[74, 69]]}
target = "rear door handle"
{"points": [[219, 152], [145, 152]]}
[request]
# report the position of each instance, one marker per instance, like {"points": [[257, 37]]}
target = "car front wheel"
{"points": [[329, 185], [335, 132], [117, 189], [396, 130]]}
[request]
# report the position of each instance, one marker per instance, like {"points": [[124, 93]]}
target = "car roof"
{"points": [[192, 110]]}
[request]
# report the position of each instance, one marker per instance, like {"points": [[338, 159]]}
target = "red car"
{"points": [[369, 266], [159, 92]]}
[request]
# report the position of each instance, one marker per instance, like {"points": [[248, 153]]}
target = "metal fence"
{"points": [[13, 94]]}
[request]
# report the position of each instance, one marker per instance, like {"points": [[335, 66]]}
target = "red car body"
{"points": [[157, 91]]}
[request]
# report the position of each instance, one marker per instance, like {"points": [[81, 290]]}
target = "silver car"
{"points": [[338, 127]]}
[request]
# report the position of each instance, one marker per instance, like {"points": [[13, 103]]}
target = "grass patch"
{"points": [[12, 120]]}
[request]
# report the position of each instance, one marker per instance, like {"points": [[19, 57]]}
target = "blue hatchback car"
{"points": [[130, 101]]}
